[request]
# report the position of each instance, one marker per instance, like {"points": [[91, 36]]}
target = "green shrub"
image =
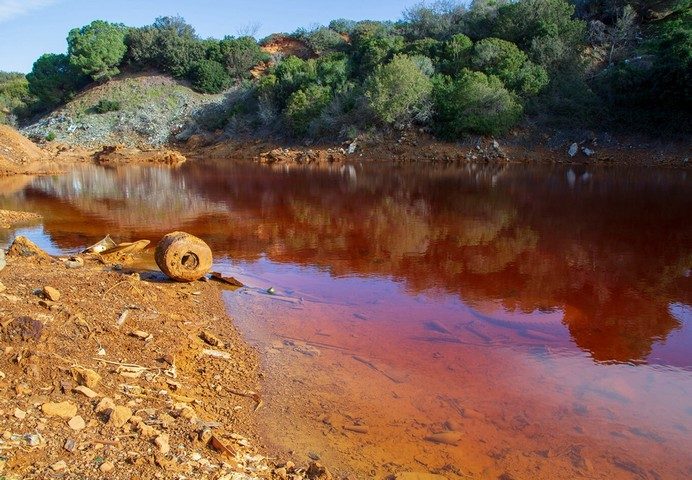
{"points": [[53, 79], [546, 29], [305, 105], [208, 76], [455, 54], [240, 55], [105, 106], [332, 70], [439, 20], [398, 91], [474, 103], [373, 44], [97, 49], [325, 40], [503, 59], [50, 136], [291, 75], [169, 45], [341, 25], [14, 95], [428, 47]]}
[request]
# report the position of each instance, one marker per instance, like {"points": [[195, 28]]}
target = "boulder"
{"points": [[23, 247]]}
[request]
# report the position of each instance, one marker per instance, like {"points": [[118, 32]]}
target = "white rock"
{"points": [[573, 149], [76, 423], [59, 466]]}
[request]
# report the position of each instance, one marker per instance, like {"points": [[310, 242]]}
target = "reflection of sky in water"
{"points": [[42, 239], [678, 343]]}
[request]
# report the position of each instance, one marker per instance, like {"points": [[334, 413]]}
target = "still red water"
{"points": [[526, 323]]}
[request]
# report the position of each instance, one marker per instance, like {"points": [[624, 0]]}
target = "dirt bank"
{"points": [[20, 156], [413, 146], [107, 372], [9, 218]]}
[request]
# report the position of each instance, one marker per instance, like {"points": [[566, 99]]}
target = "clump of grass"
{"points": [[105, 106]]}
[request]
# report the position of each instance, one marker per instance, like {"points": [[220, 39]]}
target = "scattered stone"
{"points": [[317, 471], [59, 466], [587, 151], [357, 428], [471, 413], [105, 405], [195, 457], [33, 439], [86, 391], [76, 423], [452, 425], [573, 149], [51, 293], [106, 467], [3, 262], [61, 409], [211, 339], [70, 445], [86, 377], [119, 416], [216, 354], [142, 335], [2, 286], [220, 446], [447, 438], [74, 262], [162, 441], [19, 413], [24, 328], [23, 247]]}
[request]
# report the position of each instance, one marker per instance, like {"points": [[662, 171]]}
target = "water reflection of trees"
{"points": [[610, 251], [148, 198]]}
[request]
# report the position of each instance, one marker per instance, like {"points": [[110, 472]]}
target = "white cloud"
{"points": [[10, 9]]}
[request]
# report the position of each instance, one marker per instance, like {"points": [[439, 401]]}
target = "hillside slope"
{"points": [[152, 108], [17, 153]]}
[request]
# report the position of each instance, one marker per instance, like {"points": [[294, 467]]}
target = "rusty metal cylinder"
{"points": [[183, 257]]}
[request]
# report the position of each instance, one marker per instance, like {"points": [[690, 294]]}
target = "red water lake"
{"points": [[537, 321]]}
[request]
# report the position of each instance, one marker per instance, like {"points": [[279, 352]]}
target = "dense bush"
{"points": [[169, 45], [438, 20], [305, 105], [54, 80], [14, 95], [474, 102], [325, 40], [455, 54], [97, 49], [504, 60], [546, 29], [398, 91], [373, 44], [208, 76], [240, 55], [490, 60]]}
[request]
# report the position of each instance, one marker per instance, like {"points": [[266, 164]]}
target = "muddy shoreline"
{"points": [[408, 147], [110, 370]]}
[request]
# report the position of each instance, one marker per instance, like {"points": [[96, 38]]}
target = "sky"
{"points": [[29, 28]]}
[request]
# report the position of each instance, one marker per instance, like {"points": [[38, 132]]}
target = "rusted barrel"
{"points": [[183, 257]]}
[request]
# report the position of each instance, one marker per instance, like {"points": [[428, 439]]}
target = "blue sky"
{"points": [[29, 28]]}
